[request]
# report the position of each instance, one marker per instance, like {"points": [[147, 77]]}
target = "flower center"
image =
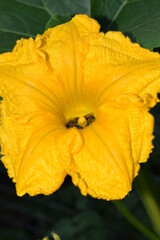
{"points": [[80, 122]]}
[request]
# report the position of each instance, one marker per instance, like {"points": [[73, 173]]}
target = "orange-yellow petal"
{"points": [[41, 168], [65, 47], [46, 159], [114, 145], [27, 105], [121, 67]]}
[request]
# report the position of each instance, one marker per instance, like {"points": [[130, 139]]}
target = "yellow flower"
{"points": [[76, 101]]}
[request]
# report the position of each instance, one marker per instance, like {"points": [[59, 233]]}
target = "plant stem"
{"points": [[134, 221], [148, 194]]}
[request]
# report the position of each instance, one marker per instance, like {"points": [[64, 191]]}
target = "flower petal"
{"points": [[41, 169], [46, 159], [121, 67], [65, 46], [28, 156], [27, 103], [114, 145]]}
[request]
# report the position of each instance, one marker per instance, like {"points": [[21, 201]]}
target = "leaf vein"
{"points": [[117, 13], [16, 32], [46, 7]]}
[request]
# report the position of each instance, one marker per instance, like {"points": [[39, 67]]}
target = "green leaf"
{"points": [[63, 10], [20, 19], [57, 19], [138, 19], [63, 7], [105, 11], [25, 18]]}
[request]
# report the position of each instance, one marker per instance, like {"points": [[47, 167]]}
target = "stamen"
{"points": [[81, 122]]}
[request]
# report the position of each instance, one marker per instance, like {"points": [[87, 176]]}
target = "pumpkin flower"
{"points": [[76, 101]]}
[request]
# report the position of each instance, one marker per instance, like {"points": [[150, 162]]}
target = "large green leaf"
{"points": [[25, 18], [138, 19]]}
